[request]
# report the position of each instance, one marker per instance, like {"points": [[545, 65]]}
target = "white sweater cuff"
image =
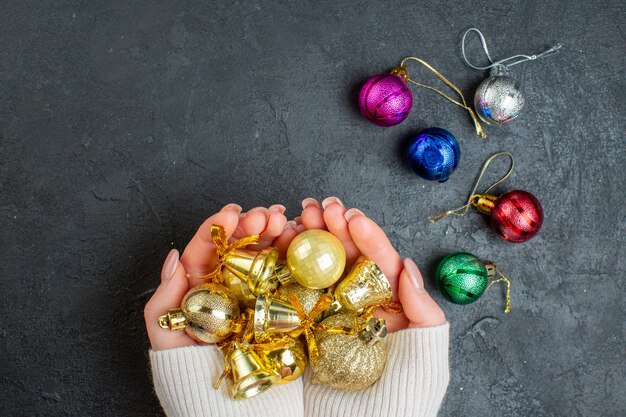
{"points": [[413, 383], [183, 381]]}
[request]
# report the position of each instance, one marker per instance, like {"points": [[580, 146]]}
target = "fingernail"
{"points": [[290, 224], [414, 275], [298, 220], [170, 265], [350, 214], [260, 210], [331, 200], [308, 202], [277, 208], [232, 207]]}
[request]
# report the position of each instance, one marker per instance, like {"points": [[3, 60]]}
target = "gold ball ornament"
{"points": [[206, 313], [316, 259], [289, 362], [347, 362], [308, 297]]}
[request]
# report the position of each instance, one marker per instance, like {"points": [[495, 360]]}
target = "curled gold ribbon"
{"points": [[402, 71], [502, 278], [223, 248], [307, 320]]}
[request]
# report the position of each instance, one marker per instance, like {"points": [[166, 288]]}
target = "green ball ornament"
{"points": [[462, 277]]}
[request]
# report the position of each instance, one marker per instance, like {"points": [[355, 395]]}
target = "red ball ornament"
{"points": [[516, 215]]}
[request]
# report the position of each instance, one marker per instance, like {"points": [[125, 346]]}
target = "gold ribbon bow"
{"points": [[223, 248], [307, 321]]}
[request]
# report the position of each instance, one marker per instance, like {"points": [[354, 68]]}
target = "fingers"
{"points": [[337, 224], [274, 227], [168, 296], [282, 242], [200, 256], [372, 241], [419, 307], [312, 215]]}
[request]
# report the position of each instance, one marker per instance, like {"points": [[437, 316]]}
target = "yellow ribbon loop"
{"points": [[307, 321], [502, 278], [403, 72], [227, 349], [473, 198], [392, 307], [223, 248]]}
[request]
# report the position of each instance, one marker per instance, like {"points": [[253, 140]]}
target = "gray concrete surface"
{"points": [[124, 124]]}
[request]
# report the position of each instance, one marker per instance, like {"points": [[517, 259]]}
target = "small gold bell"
{"points": [[365, 285], [239, 288], [206, 313], [255, 268], [271, 316], [289, 362], [251, 376]]}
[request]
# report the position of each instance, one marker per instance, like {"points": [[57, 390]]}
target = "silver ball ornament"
{"points": [[499, 98]]}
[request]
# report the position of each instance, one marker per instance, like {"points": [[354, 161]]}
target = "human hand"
{"points": [[360, 235], [200, 257]]}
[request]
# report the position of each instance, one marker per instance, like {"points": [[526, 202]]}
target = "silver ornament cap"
{"points": [[499, 98]]}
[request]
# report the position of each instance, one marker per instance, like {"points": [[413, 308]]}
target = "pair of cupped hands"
{"points": [[359, 235]]}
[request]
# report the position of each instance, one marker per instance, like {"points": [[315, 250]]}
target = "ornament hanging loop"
{"points": [[475, 199], [402, 71], [501, 67], [500, 277]]}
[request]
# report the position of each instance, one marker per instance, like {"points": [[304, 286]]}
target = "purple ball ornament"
{"points": [[385, 99]]}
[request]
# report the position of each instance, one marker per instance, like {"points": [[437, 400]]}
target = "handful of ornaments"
{"points": [[271, 319]]}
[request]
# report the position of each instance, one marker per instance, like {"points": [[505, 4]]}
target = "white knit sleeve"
{"points": [[413, 383], [183, 380]]}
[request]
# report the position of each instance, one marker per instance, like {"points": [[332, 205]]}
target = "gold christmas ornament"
{"points": [[308, 297], [315, 259], [250, 374], [207, 313], [239, 288], [271, 316], [255, 268], [289, 362], [349, 362], [364, 286]]}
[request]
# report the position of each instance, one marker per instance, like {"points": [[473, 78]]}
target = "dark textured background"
{"points": [[124, 124]]}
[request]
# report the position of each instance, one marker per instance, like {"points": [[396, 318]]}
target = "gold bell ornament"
{"points": [[350, 362], [315, 259], [208, 314], [250, 374], [239, 288], [272, 316], [289, 362], [365, 286], [256, 268]]}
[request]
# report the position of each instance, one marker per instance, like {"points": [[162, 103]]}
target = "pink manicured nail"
{"points": [[350, 214], [232, 207], [260, 210], [308, 202], [331, 200], [414, 275], [277, 208], [170, 265], [290, 224], [298, 220]]}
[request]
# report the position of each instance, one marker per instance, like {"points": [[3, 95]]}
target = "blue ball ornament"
{"points": [[433, 154]]}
